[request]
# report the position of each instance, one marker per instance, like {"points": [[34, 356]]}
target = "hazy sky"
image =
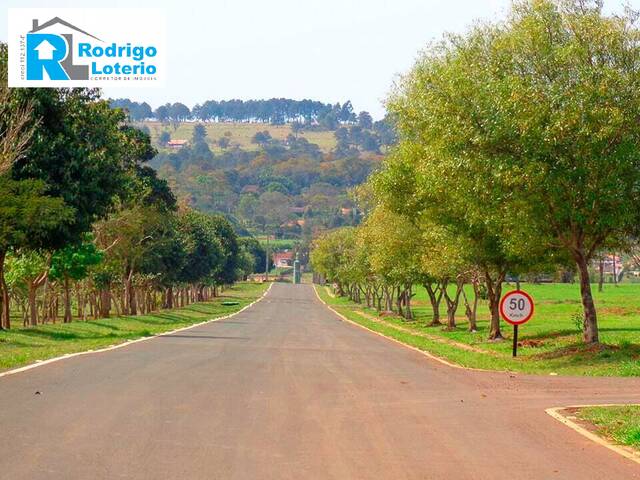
{"points": [[329, 50]]}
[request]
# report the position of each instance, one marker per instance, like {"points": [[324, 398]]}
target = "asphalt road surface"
{"points": [[286, 390]]}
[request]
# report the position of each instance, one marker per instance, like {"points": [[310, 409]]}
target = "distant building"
{"points": [[177, 144], [611, 264], [282, 259], [250, 189], [298, 210]]}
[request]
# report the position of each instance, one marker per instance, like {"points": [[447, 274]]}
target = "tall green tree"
{"points": [[27, 218], [72, 263], [541, 113]]}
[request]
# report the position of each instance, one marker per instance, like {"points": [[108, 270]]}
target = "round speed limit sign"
{"points": [[516, 307]]}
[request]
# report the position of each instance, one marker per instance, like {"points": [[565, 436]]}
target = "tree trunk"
{"points": [[131, 293], [33, 308], [435, 297], [80, 301], [169, 302], [388, 304], [105, 303], [601, 277], [590, 325], [5, 320], [452, 305], [494, 292], [471, 308], [67, 301], [407, 297]]}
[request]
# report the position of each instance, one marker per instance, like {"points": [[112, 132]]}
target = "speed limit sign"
{"points": [[516, 307]]}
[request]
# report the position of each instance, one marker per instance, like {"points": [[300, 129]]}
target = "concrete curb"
{"points": [[129, 342], [423, 352], [619, 449]]}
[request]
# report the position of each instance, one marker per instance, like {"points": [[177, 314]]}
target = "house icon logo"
{"points": [[51, 54]]}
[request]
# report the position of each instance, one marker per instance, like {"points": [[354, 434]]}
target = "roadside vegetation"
{"points": [[620, 423], [22, 346], [517, 158], [550, 343], [87, 228]]}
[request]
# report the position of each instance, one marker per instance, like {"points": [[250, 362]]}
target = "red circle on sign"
{"points": [[505, 315]]}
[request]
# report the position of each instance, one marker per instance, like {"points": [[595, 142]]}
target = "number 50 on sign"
{"points": [[516, 307]]}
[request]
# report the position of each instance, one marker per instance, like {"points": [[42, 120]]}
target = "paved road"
{"points": [[285, 390]]}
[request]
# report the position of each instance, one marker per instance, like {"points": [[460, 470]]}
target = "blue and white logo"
{"points": [[58, 51]]}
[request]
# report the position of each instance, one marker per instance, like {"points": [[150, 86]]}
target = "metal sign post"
{"points": [[516, 308]]}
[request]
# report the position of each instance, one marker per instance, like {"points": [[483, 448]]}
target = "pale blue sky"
{"points": [[329, 50]]}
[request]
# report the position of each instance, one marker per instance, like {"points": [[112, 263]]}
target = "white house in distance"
{"points": [[176, 144], [283, 259]]}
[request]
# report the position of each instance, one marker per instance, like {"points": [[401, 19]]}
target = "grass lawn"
{"points": [[241, 134], [550, 342], [620, 424], [21, 346]]}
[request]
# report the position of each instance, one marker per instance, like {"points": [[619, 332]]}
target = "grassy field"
{"points": [[620, 424], [278, 244], [550, 342], [240, 134], [21, 346]]}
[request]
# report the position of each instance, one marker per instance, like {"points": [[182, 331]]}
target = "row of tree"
{"points": [[274, 111], [519, 152], [83, 220]]}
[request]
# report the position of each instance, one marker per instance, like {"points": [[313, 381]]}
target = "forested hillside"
{"points": [[279, 166]]}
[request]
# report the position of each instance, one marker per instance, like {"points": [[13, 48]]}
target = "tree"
{"points": [[330, 255], [204, 252], [162, 113], [224, 142], [261, 138], [296, 127], [17, 123], [199, 133], [228, 240], [393, 248], [365, 121], [178, 112], [80, 153], [27, 270], [542, 109], [27, 216], [73, 263], [164, 137], [257, 252]]}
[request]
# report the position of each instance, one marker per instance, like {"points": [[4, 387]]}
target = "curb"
{"points": [[128, 342], [619, 449], [415, 349]]}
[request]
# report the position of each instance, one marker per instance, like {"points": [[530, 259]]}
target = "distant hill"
{"points": [[239, 134], [265, 178], [280, 166]]}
